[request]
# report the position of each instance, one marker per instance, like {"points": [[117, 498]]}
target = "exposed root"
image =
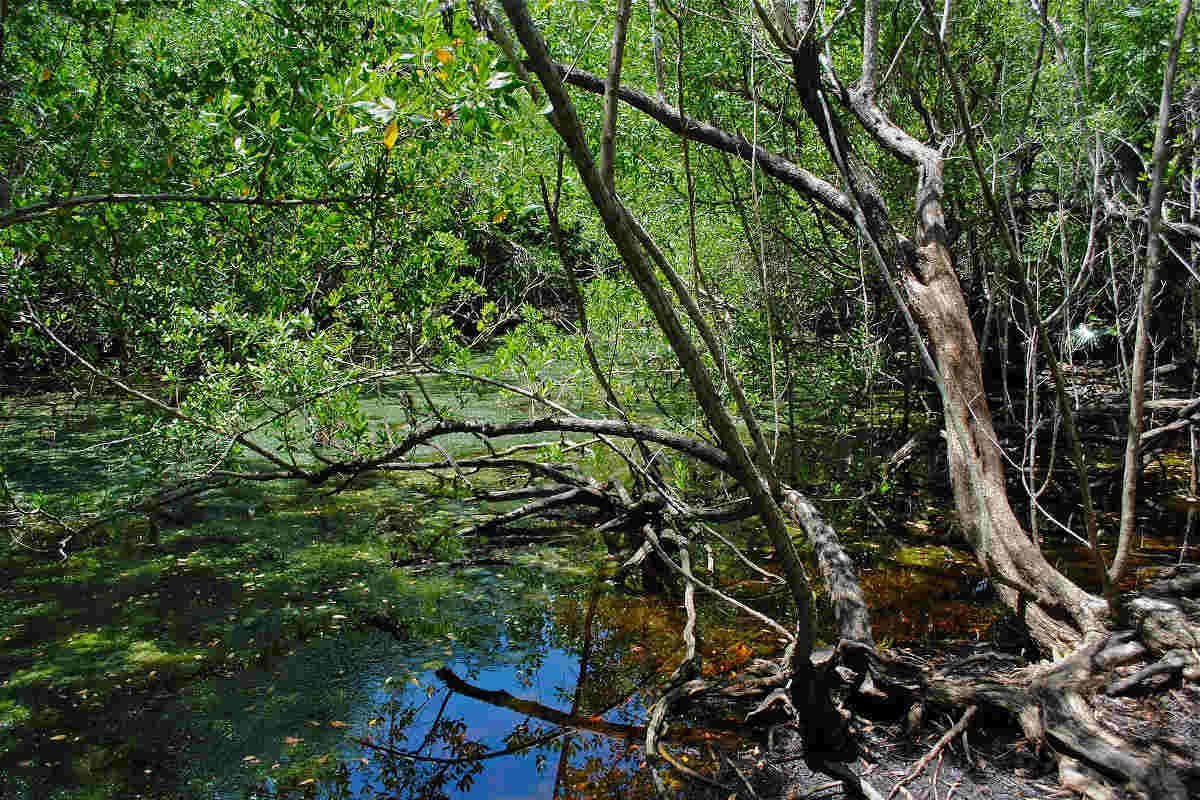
{"points": [[1172, 663]]}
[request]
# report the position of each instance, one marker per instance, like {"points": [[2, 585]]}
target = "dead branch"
{"points": [[933, 753]]}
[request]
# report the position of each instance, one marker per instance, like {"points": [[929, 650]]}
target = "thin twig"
{"points": [[935, 751]]}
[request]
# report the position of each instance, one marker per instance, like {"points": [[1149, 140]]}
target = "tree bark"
{"points": [[1137, 379]]}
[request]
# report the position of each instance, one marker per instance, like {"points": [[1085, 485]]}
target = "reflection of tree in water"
{"points": [[591, 754]]}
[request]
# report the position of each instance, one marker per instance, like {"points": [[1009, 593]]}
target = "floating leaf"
{"points": [[389, 141], [337, 723], [307, 782], [292, 740], [58, 738]]}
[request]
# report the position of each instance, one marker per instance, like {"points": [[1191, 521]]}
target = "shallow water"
{"points": [[253, 720], [263, 644], [365, 685]]}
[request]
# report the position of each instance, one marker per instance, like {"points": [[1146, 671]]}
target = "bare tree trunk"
{"points": [[656, 46], [825, 733], [1058, 611], [1017, 273], [935, 296], [608, 130], [1137, 378]]}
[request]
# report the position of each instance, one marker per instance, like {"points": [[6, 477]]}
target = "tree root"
{"points": [[1172, 663], [1053, 704]]}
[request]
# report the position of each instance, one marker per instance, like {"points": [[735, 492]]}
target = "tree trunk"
{"points": [[977, 470]]}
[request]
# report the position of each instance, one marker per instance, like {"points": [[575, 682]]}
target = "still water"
{"points": [[275, 642]]}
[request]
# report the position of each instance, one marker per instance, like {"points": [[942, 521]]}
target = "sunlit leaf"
{"points": [[501, 80], [389, 136]]}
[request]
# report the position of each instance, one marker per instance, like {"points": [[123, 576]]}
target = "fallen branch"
{"points": [[936, 750]]}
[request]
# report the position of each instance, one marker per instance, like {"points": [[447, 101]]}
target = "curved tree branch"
{"points": [[50, 207], [669, 117]]}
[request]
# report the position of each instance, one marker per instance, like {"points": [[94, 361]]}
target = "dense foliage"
{"points": [[294, 238]]}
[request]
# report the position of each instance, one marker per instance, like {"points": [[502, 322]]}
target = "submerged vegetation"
{"points": [[427, 399]]}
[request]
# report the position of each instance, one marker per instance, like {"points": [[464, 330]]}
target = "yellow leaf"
{"points": [[58, 738], [389, 136], [45, 73], [337, 723], [292, 740], [307, 782], [500, 217], [443, 55], [442, 75]]}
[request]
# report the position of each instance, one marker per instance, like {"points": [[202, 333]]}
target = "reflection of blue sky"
{"points": [[354, 676], [506, 777]]}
